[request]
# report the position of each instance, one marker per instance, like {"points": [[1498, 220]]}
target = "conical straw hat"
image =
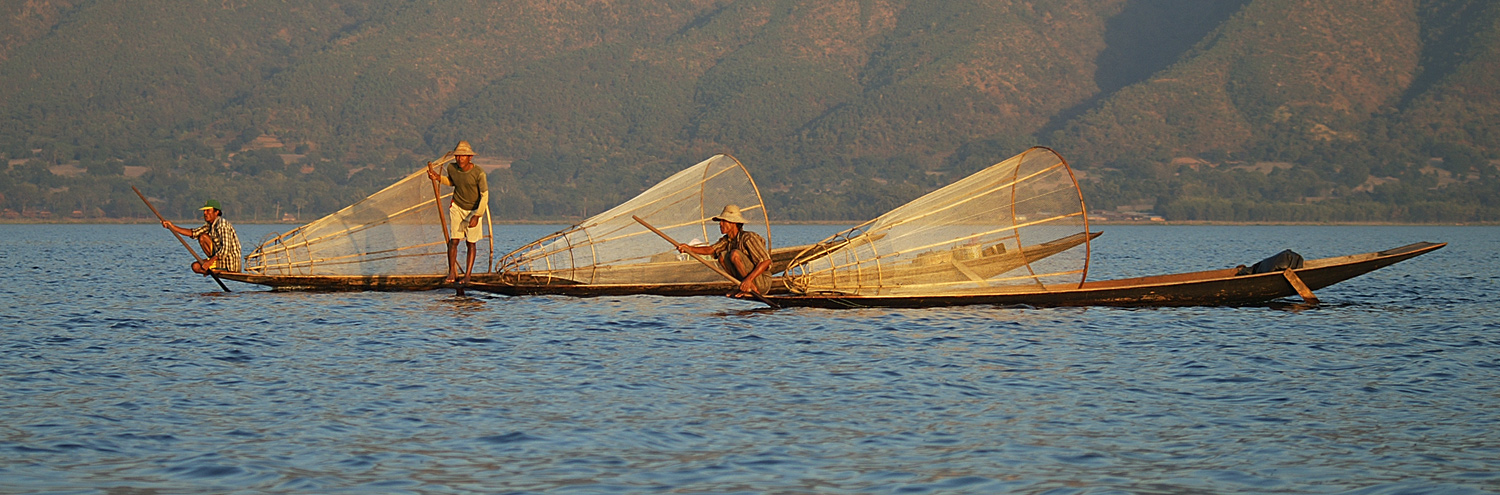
{"points": [[731, 214], [463, 149]]}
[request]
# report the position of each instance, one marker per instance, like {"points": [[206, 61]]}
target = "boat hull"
{"points": [[340, 282], [1206, 288], [528, 283]]}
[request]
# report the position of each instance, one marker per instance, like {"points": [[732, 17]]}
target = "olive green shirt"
{"points": [[468, 187]]}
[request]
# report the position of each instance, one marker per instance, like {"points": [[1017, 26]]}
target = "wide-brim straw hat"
{"points": [[731, 214], [463, 149]]}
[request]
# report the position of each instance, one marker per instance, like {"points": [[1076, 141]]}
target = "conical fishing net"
{"points": [[396, 231], [611, 248], [1017, 225]]}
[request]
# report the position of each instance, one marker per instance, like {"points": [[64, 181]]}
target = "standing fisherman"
{"points": [[471, 202], [740, 252], [221, 245]]}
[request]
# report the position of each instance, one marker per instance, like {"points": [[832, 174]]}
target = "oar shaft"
{"points": [[695, 256], [437, 197], [705, 261], [180, 239], [437, 201]]}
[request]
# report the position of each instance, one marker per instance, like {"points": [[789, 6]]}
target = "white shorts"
{"points": [[458, 226]]}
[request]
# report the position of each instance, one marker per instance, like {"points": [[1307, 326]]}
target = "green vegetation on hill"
{"points": [[1231, 110]]}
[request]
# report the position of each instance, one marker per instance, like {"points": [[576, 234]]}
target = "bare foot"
{"points": [[466, 279], [451, 277]]}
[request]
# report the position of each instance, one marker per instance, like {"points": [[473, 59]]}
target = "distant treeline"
{"points": [[1244, 110]]}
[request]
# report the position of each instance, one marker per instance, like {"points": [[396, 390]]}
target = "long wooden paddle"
{"points": [[437, 196], [180, 239], [437, 200], [707, 263]]}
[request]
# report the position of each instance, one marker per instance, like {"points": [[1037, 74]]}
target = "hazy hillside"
{"points": [[1326, 110]]}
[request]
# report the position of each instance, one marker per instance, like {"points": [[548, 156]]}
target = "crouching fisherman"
{"points": [[741, 253], [221, 245]]}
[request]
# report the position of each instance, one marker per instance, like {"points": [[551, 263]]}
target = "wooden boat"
{"points": [[1027, 197], [671, 276], [340, 282], [1205, 288]]}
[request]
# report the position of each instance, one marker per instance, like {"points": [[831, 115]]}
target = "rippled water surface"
{"points": [[122, 372]]}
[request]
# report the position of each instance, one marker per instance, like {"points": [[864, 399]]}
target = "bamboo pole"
{"points": [[181, 240], [758, 296]]}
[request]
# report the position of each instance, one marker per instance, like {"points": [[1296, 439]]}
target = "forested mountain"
{"points": [[1249, 110]]}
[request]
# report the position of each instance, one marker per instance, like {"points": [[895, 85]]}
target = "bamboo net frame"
{"points": [[1020, 223], [390, 232], [611, 248]]}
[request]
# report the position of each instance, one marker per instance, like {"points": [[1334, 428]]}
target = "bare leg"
{"points": [[207, 243], [452, 261], [469, 270], [737, 264]]}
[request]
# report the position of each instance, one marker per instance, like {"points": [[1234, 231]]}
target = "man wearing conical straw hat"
{"points": [[740, 252], [471, 200]]}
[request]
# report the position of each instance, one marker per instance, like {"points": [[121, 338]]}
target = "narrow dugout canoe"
{"points": [[666, 279], [340, 282], [1205, 288]]}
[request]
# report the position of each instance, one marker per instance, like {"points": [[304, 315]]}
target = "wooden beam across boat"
{"points": [[1205, 288]]}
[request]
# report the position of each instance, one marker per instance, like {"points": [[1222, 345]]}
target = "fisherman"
{"points": [[471, 202], [740, 252], [221, 245]]}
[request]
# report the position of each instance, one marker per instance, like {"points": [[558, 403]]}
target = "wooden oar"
{"points": [[707, 263], [437, 196], [437, 200], [184, 242]]}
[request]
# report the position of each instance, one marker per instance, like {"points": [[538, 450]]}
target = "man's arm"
{"points": [[174, 228], [701, 250], [481, 210]]}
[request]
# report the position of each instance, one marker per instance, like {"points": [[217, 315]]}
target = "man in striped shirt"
{"points": [[217, 237]]}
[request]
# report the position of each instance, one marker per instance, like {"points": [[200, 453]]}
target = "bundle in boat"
{"points": [[392, 239], [611, 253], [1018, 225]]}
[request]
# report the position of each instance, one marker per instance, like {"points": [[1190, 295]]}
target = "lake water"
{"points": [[122, 372]]}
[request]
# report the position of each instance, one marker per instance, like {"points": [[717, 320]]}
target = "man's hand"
{"points": [[474, 221], [681, 248], [432, 174], [748, 286], [166, 225]]}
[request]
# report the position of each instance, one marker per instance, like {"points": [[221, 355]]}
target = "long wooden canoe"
{"points": [[661, 273], [517, 283], [340, 282], [1206, 288]]}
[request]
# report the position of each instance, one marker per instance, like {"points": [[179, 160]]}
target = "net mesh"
{"points": [[1017, 225], [611, 248], [396, 231]]}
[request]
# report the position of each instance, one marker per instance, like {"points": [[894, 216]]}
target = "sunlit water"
{"points": [[122, 372]]}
